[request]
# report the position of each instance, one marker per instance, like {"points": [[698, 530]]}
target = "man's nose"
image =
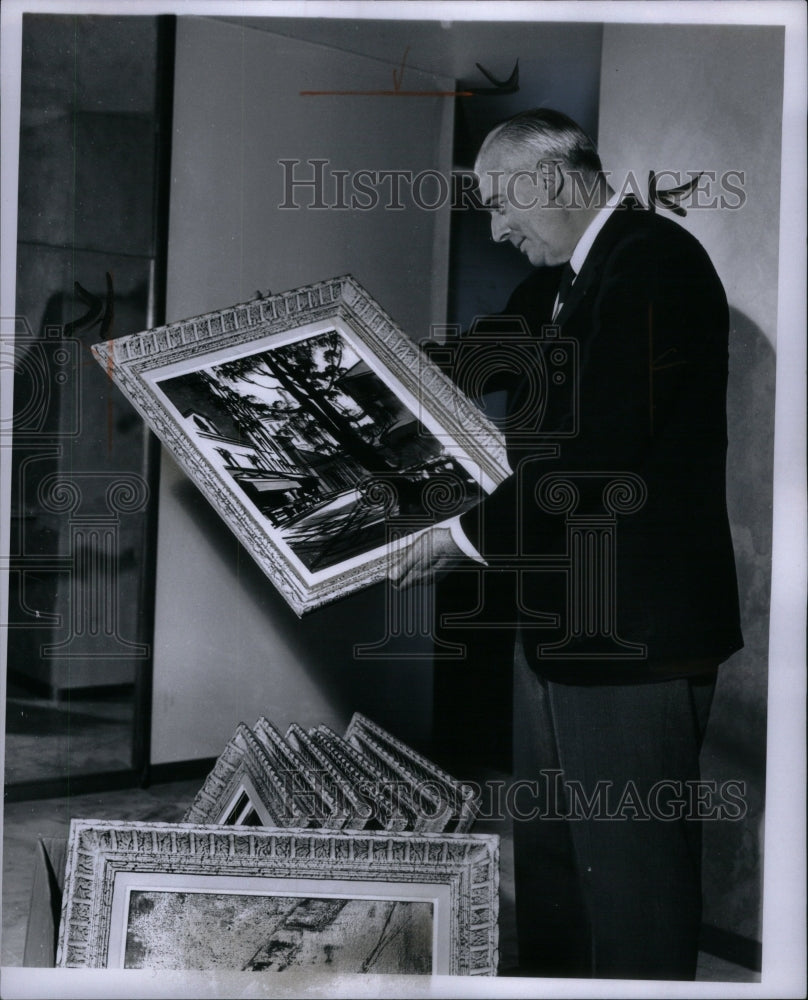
{"points": [[499, 229]]}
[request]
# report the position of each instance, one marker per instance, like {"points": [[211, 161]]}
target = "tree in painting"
{"points": [[319, 443], [302, 380]]}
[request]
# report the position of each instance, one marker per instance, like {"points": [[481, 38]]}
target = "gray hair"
{"points": [[548, 134]]}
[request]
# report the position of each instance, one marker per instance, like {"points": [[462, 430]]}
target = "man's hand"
{"points": [[427, 556]]}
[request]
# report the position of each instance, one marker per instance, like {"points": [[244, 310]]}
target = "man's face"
{"points": [[523, 199]]}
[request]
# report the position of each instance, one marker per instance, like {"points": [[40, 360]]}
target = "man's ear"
{"points": [[552, 176]]}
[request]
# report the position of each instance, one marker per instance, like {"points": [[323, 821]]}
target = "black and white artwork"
{"points": [[163, 896], [312, 435], [198, 930]]}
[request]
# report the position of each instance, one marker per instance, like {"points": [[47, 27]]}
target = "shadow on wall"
{"points": [[735, 743]]}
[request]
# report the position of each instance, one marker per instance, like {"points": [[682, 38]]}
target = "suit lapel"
{"points": [[622, 219], [618, 222]]}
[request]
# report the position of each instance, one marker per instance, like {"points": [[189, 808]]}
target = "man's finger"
{"points": [[408, 566], [413, 562], [428, 555]]}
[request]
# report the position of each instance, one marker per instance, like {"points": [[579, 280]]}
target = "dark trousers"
{"points": [[607, 859]]}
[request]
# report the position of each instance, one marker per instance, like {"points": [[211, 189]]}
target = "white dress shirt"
{"points": [[588, 237]]}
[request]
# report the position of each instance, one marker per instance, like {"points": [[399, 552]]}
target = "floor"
{"points": [[75, 735], [25, 822]]}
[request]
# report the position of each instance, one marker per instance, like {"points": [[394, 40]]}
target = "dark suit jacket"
{"points": [[633, 389]]}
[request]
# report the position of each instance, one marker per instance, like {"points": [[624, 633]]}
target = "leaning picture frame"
{"points": [[318, 430], [244, 789], [441, 790], [184, 896]]}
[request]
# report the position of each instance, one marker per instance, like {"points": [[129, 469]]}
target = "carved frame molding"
{"points": [[466, 864], [128, 359]]}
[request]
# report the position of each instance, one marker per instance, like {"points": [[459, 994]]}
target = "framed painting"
{"points": [[181, 896], [315, 427]]}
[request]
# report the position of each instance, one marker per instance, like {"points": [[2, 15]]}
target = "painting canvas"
{"points": [[316, 428], [272, 933]]}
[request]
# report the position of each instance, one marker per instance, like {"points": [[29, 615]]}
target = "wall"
{"points": [[227, 648], [562, 72], [558, 65], [711, 99]]}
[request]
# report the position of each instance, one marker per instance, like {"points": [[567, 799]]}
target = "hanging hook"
{"points": [[670, 197], [509, 86], [99, 311]]}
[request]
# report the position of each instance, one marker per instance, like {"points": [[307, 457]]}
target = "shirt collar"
{"points": [[590, 234]]}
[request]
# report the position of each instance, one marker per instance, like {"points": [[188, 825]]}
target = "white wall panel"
{"points": [[227, 648]]}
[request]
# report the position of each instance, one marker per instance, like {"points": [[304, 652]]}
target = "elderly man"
{"points": [[614, 522]]}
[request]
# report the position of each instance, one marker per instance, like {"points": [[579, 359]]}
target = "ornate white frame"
{"points": [[243, 767], [462, 868], [465, 432], [461, 801]]}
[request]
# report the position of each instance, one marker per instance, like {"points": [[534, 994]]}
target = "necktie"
{"points": [[567, 278]]}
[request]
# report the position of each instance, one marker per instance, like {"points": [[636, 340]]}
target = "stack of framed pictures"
{"points": [[305, 852], [366, 780]]}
